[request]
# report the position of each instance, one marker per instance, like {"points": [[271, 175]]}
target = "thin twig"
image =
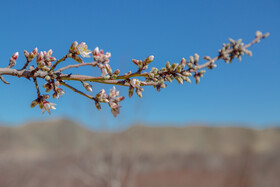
{"points": [[77, 91], [59, 61], [25, 65], [37, 87], [3, 80], [77, 65]]}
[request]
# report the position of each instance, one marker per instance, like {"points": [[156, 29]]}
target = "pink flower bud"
{"points": [[73, 47], [15, 56], [26, 54]]}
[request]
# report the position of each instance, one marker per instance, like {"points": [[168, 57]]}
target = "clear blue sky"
{"points": [[246, 92]]}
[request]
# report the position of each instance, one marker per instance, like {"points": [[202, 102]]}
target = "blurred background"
{"points": [[222, 132]]}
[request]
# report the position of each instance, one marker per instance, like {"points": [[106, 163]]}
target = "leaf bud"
{"points": [[167, 65]]}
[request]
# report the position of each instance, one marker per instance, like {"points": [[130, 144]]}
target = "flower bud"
{"points": [[207, 58], [168, 78], [45, 68], [179, 79], [130, 91], [173, 67], [31, 68], [154, 70], [191, 60], [139, 93], [13, 59], [196, 58], [258, 34], [55, 95], [149, 59], [46, 96], [34, 103], [73, 47], [197, 79], [40, 57], [77, 59], [179, 69], [186, 73], [87, 86], [167, 65], [47, 78], [109, 69], [140, 64], [135, 61], [163, 85], [95, 52], [266, 35], [190, 65], [187, 79], [97, 105], [119, 99], [26, 54], [183, 63], [50, 52]]}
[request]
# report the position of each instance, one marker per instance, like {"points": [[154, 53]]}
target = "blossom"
{"points": [[114, 92], [59, 92], [135, 83], [99, 56], [83, 50], [115, 108], [47, 106]]}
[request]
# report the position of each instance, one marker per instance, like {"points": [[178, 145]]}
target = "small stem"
{"points": [[37, 87], [77, 65], [25, 65], [3, 80], [58, 61], [77, 91]]}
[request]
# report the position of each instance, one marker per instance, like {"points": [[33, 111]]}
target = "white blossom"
{"points": [[83, 50], [47, 106]]}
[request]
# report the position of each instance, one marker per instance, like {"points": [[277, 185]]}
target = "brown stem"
{"points": [[37, 87], [77, 65], [77, 91], [25, 65], [3, 80], [58, 61]]}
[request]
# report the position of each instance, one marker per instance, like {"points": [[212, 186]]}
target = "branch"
{"points": [[181, 72]]}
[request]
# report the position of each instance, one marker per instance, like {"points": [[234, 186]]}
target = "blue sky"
{"points": [[246, 92]]}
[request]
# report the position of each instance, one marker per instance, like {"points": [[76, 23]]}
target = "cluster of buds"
{"points": [[235, 49], [55, 87], [169, 73], [193, 61], [103, 62], [135, 84], [143, 65], [30, 56], [43, 104], [112, 99], [100, 57], [198, 75], [44, 60], [13, 60]]}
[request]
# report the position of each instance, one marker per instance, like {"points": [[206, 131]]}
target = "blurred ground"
{"points": [[62, 153]]}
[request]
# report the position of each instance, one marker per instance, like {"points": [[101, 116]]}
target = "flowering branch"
{"points": [[181, 72]]}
